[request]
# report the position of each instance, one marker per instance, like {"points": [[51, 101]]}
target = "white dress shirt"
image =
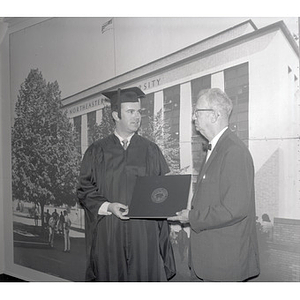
{"points": [[214, 142]]}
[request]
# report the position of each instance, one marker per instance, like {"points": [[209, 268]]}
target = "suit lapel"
{"points": [[206, 165]]}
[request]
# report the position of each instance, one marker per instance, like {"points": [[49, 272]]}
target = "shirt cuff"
{"points": [[103, 209]]}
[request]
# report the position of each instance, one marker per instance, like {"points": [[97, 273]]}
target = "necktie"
{"points": [[206, 147], [125, 144]]}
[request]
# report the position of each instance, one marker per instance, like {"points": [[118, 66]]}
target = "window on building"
{"points": [[171, 113], [198, 85], [91, 121], [198, 154], [236, 81], [295, 83], [147, 106], [77, 126], [172, 109]]}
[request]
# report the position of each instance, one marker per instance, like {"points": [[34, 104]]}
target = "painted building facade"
{"points": [[258, 69]]}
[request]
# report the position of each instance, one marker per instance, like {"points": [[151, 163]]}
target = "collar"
{"points": [[216, 138], [122, 139]]}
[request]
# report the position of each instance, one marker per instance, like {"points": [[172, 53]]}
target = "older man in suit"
{"points": [[222, 215]]}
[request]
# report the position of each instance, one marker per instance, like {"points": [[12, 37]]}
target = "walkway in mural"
{"points": [[32, 250]]}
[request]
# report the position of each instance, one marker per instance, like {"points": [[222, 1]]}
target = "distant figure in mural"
{"points": [[119, 248], [222, 216], [267, 226], [52, 228], [47, 218], [66, 226], [60, 226], [20, 206], [258, 224], [36, 216], [55, 214]]}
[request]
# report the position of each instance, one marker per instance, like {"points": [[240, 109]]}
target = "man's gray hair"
{"points": [[217, 100]]}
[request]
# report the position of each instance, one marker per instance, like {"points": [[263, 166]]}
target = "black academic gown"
{"points": [[122, 250]]}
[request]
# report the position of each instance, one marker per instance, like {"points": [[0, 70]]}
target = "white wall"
{"points": [[3, 30], [274, 118], [7, 265]]}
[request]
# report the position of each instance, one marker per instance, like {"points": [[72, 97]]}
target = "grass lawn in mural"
{"points": [[32, 248]]}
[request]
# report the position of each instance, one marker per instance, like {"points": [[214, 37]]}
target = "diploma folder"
{"points": [[159, 197]]}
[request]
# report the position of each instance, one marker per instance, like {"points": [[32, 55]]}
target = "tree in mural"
{"points": [[105, 127], [159, 132], [45, 161]]}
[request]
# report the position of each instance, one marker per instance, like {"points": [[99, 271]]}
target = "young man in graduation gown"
{"points": [[119, 248]]}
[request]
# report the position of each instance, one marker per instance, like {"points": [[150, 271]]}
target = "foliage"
{"points": [[106, 126], [159, 132], [45, 162]]}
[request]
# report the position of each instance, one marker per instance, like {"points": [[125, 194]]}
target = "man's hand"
{"points": [[181, 216], [119, 210]]}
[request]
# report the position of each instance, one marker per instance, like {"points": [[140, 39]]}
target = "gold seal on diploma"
{"points": [[159, 195]]}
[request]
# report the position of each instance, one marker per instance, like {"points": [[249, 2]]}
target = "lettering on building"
{"points": [[85, 106], [150, 84]]}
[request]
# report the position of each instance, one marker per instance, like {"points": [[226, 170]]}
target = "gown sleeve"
{"points": [[166, 249], [87, 191], [90, 198], [157, 164]]}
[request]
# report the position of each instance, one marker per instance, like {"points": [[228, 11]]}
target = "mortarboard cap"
{"points": [[123, 95]]}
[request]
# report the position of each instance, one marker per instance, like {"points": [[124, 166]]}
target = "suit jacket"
{"points": [[222, 217]]}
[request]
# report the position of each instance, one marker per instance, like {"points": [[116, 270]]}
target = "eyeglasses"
{"points": [[202, 109]]}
